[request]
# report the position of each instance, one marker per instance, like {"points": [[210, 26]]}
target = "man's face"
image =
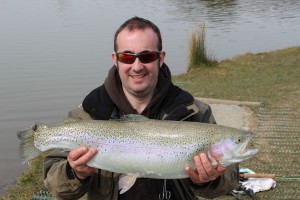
{"points": [[138, 79]]}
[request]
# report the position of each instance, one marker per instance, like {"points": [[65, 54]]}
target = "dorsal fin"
{"points": [[69, 120], [133, 117]]}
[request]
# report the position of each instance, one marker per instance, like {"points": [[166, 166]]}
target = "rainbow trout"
{"points": [[140, 146]]}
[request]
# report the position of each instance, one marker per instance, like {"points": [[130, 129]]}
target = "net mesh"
{"points": [[43, 194], [279, 143]]}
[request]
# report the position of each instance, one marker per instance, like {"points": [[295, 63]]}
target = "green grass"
{"points": [[272, 78], [29, 183]]}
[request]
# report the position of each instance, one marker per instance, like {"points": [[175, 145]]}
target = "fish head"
{"points": [[231, 149]]}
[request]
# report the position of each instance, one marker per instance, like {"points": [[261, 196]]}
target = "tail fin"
{"points": [[27, 150]]}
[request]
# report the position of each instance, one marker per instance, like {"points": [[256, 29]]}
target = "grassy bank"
{"points": [[29, 183], [272, 78]]}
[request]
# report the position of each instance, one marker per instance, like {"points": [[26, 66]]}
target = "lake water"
{"points": [[53, 52]]}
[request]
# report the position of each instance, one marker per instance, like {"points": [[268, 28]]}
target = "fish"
{"points": [[136, 146]]}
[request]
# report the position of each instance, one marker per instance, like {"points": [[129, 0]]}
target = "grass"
{"points": [[272, 78], [198, 55], [29, 183]]}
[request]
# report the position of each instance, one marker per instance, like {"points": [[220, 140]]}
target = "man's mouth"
{"points": [[137, 76]]}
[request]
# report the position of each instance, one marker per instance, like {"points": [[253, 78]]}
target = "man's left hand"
{"points": [[204, 171]]}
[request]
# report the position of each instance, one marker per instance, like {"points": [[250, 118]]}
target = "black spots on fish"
{"points": [[200, 149], [190, 155], [159, 155], [180, 154]]}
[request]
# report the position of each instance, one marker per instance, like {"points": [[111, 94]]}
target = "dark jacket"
{"points": [[109, 102]]}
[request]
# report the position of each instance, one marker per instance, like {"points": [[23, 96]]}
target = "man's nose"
{"points": [[137, 65]]}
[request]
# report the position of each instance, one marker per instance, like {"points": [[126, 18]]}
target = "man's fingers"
{"points": [[205, 161], [193, 175], [88, 155], [202, 162], [198, 162], [204, 171], [220, 169], [81, 156], [201, 174], [77, 153], [78, 159]]}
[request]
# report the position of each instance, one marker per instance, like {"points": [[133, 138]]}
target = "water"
{"points": [[53, 52]]}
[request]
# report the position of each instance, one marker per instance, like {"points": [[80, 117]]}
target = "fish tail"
{"points": [[27, 150]]}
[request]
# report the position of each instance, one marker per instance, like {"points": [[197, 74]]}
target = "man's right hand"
{"points": [[78, 159]]}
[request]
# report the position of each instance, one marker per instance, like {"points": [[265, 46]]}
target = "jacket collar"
{"points": [[114, 89]]}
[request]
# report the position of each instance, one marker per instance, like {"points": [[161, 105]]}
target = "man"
{"points": [[138, 83]]}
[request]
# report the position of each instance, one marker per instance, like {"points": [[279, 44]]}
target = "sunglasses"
{"points": [[144, 57]]}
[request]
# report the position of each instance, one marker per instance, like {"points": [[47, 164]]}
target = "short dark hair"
{"points": [[138, 23]]}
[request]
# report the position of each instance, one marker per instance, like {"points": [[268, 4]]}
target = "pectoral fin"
{"points": [[126, 181]]}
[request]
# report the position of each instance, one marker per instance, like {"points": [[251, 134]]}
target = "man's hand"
{"points": [[204, 171], [78, 159]]}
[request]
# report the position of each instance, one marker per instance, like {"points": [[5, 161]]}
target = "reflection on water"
{"points": [[52, 53], [235, 27], [208, 11]]}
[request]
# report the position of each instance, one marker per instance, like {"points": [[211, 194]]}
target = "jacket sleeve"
{"points": [[58, 176], [226, 182], [221, 186]]}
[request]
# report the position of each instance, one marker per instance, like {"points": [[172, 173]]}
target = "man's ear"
{"points": [[114, 58], [162, 58]]}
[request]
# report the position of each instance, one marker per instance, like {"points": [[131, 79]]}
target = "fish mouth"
{"points": [[246, 153], [243, 146]]}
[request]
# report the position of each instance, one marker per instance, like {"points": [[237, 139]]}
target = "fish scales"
{"points": [[151, 146], [135, 145]]}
